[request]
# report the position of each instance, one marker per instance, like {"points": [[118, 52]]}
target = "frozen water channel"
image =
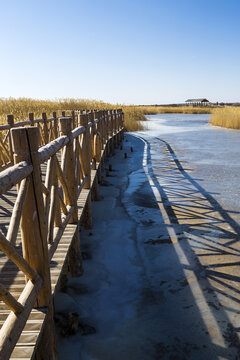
{"points": [[162, 262]]}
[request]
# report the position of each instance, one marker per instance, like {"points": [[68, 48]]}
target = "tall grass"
{"points": [[175, 109], [133, 118], [228, 117], [134, 115], [22, 106]]}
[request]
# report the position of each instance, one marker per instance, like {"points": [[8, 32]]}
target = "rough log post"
{"points": [[92, 135], [69, 165], [86, 148], [86, 145], [74, 120], [94, 190], [100, 127], [108, 128], [98, 137], [55, 125], [117, 128], [103, 137], [98, 153], [115, 139], [103, 129], [45, 128], [122, 124], [112, 131], [119, 125], [31, 118], [106, 125], [33, 227], [95, 144], [74, 258], [10, 121]]}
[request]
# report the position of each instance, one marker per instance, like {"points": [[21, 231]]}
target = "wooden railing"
{"points": [[53, 159]]}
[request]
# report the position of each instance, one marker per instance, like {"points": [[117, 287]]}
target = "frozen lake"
{"points": [[211, 152], [162, 262]]}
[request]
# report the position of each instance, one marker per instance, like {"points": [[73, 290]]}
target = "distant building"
{"points": [[197, 102]]}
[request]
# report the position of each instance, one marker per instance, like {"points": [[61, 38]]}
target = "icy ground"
{"points": [[161, 264]]}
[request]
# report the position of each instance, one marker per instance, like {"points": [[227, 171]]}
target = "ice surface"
{"points": [[147, 295]]}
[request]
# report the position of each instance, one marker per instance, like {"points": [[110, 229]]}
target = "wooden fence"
{"points": [[50, 168]]}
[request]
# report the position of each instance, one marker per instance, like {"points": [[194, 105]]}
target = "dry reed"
{"points": [[134, 115], [228, 117]]}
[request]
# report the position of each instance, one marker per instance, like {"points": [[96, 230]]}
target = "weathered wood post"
{"points": [[103, 128], [92, 137], [68, 163], [86, 147], [34, 231], [115, 130], [96, 156], [108, 132], [101, 117], [117, 127], [74, 119], [119, 111], [31, 118], [86, 150], [10, 121], [74, 259], [45, 128], [55, 124], [122, 124]]}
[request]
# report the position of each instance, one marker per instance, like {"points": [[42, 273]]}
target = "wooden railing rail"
{"points": [[49, 128], [68, 147]]}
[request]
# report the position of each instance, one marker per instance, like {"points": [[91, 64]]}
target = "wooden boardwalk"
{"points": [[25, 318]]}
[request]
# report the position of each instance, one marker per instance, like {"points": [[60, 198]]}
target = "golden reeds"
{"points": [[134, 115], [228, 117], [22, 106]]}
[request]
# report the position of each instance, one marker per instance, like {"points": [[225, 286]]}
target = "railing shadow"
{"points": [[207, 247]]}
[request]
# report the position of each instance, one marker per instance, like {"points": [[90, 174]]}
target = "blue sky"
{"points": [[122, 51]]}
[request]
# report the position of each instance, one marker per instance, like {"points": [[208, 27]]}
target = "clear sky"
{"points": [[121, 51]]}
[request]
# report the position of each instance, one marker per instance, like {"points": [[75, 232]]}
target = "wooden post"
{"points": [[74, 118], [55, 125], [108, 130], [74, 258], [86, 145], [69, 165], [115, 138], [10, 121], [92, 137], [33, 227], [94, 190], [45, 128], [31, 118], [98, 137], [112, 131], [122, 124]]}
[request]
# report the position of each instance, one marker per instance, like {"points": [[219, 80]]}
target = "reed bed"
{"points": [[175, 109], [228, 117], [134, 115], [22, 106]]}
